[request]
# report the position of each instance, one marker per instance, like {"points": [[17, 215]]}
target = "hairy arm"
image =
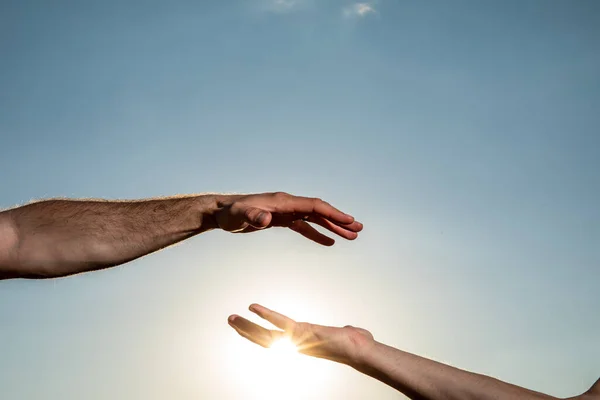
{"points": [[54, 238]]}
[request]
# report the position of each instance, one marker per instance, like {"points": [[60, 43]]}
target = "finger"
{"points": [[257, 217], [349, 232], [311, 233], [354, 226], [279, 320], [308, 205], [253, 332]]}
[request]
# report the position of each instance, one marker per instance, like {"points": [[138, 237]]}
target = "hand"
{"points": [[345, 345], [249, 213]]}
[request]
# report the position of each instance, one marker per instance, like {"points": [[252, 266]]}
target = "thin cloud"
{"points": [[359, 10]]}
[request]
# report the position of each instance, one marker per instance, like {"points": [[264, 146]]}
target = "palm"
{"points": [[336, 344]]}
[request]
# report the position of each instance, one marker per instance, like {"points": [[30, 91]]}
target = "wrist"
{"points": [[207, 207], [210, 206], [363, 348]]}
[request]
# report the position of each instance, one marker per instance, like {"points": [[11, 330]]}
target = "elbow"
{"points": [[9, 246], [31, 256], [12, 262]]}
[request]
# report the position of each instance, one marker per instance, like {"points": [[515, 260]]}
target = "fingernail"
{"points": [[261, 217]]}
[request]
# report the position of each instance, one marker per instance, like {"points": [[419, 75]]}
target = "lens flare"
{"points": [[275, 373], [284, 346]]}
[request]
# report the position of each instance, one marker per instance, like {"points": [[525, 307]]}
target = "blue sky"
{"points": [[463, 134]]}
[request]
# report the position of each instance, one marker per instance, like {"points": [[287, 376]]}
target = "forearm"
{"points": [[55, 238], [424, 379]]}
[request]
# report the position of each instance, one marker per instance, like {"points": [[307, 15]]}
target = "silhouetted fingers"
{"points": [[348, 231], [253, 332], [279, 320], [311, 233]]}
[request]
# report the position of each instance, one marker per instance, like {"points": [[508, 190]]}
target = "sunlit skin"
{"points": [[249, 213], [60, 237], [343, 345], [416, 377]]}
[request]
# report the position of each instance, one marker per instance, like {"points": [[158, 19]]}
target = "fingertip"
{"points": [[231, 319], [351, 235], [329, 242], [258, 309], [353, 227]]}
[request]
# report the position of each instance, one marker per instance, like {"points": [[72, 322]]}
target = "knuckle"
{"points": [[280, 195], [250, 212]]}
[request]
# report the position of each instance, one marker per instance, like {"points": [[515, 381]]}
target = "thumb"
{"points": [[257, 218]]}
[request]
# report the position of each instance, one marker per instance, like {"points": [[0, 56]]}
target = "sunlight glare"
{"points": [[277, 372], [283, 347]]}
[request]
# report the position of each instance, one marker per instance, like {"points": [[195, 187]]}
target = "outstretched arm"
{"points": [[421, 378], [55, 238], [416, 377]]}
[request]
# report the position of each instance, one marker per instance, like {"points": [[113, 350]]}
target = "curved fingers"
{"points": [[286, 203], [311, 233], [346, 231]]}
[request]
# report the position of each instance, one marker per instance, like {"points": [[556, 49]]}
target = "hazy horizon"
{"points": [[464, 135]]}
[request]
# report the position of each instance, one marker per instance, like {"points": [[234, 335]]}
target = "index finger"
{"points": [[308, 205], [279, 320]]}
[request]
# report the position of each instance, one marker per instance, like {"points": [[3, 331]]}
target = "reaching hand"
{"points": [[249, 213], [344, 345], [416, 377]]}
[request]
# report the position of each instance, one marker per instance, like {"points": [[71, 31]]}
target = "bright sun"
{"points": [[275, 373], [283, 348]]}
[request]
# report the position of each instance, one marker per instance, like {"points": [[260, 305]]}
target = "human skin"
{"points": [[417, 377], [61, 237]]}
